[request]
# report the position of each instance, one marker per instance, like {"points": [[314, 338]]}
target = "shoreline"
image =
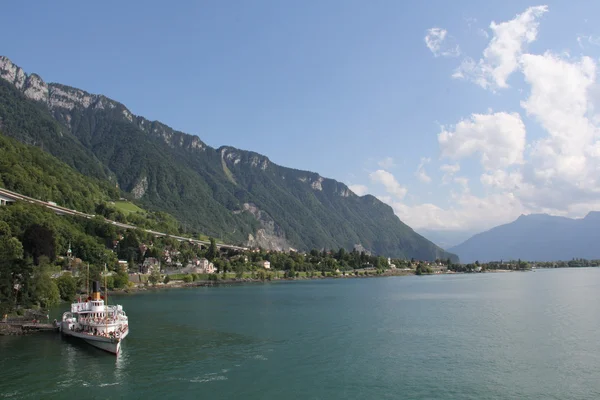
{"points": [[240, 281]]}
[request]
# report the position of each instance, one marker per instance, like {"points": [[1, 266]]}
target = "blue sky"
{"points": [[351, 90]]}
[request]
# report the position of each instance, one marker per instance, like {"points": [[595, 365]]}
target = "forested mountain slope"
{"points": [[236, 195]]}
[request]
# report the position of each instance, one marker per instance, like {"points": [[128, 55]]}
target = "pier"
{"points": [[21, 328]]}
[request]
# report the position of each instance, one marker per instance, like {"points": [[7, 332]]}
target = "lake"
{"points": [[520, 335]]}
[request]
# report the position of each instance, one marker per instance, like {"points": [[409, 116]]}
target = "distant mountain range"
{"points": [[535, 237], [446, 238], [239, 196]]}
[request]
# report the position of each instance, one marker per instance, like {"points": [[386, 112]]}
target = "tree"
{"points": [[67, 286], [45, 290], [154, 277], [129, 247], [261, 274], [39, 241], [239, 271], [212, 252], [219, 265], [121, 279], [15, 272]]}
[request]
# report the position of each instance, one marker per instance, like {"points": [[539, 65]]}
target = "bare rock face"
{"points": [[61, 97], [12, 73], [139, 190], [36, 89], [316, 185], [269, 235]]}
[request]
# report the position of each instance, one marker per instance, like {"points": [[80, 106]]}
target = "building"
{"points": [[206, 266], [265, 264], [149, 265]]}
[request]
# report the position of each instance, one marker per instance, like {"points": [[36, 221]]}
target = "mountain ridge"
{"points": [[535, 237], [226, 192]]}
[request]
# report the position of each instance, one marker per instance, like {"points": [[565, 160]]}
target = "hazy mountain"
{"points": [[535, 237], [445, 238], [233, 194]]}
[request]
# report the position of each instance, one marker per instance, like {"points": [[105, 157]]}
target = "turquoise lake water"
{"points": [[479, 336]]}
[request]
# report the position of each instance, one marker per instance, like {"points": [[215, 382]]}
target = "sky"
{"points": [[460, 115]]}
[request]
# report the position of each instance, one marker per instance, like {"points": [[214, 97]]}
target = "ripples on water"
{"points": [[483, 336]]}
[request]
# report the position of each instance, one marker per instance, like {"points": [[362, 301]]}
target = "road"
{"points": [[66, 211]]}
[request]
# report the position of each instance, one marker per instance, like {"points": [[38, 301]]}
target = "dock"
{"points": [[20, 328], [39, 327]]}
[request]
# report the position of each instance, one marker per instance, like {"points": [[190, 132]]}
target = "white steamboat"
{"points": [[98, 324]]}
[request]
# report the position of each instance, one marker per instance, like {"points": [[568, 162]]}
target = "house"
{"points": [[150, 264], [206, 266], [123, 265], [265, 264]]}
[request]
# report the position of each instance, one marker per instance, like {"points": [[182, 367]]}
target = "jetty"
{"points": [[25, 327]]}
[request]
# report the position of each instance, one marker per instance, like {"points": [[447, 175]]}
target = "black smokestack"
{"points": [[95, 286]]}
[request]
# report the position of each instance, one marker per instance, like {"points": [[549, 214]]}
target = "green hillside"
{"points": [[32, 172], [233, 194]]}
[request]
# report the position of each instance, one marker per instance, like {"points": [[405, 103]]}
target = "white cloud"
{"points": [[449, 170], [387, 163], [421, 174], [500, 58], [499, 138], [359, 190], [502, 180], [440, 44], [556, 173], [567, 159], [389, 182], [582, 40], [463, 182], [469, 212]]}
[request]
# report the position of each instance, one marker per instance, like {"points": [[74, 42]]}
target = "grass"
{"points": [[127, 207]]}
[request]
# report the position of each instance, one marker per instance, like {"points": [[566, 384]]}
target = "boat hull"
{"points": [[111, 345]]}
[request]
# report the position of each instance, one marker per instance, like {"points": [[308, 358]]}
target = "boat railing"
{"points": [[99, 321]]}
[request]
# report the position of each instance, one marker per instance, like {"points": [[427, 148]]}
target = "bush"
{"points": [[188, 278], [167, 279]]}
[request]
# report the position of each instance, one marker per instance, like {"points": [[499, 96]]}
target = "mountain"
{"points": [[535, 237], [237, 195], [446, 238]]}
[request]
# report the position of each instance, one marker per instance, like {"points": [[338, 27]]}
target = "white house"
{"points": [[266, 264], [206, 266]]}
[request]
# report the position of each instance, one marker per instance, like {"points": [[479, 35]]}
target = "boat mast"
{"points": [[105, 302]]}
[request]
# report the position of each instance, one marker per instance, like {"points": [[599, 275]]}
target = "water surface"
{"points": [[479, 336]]}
